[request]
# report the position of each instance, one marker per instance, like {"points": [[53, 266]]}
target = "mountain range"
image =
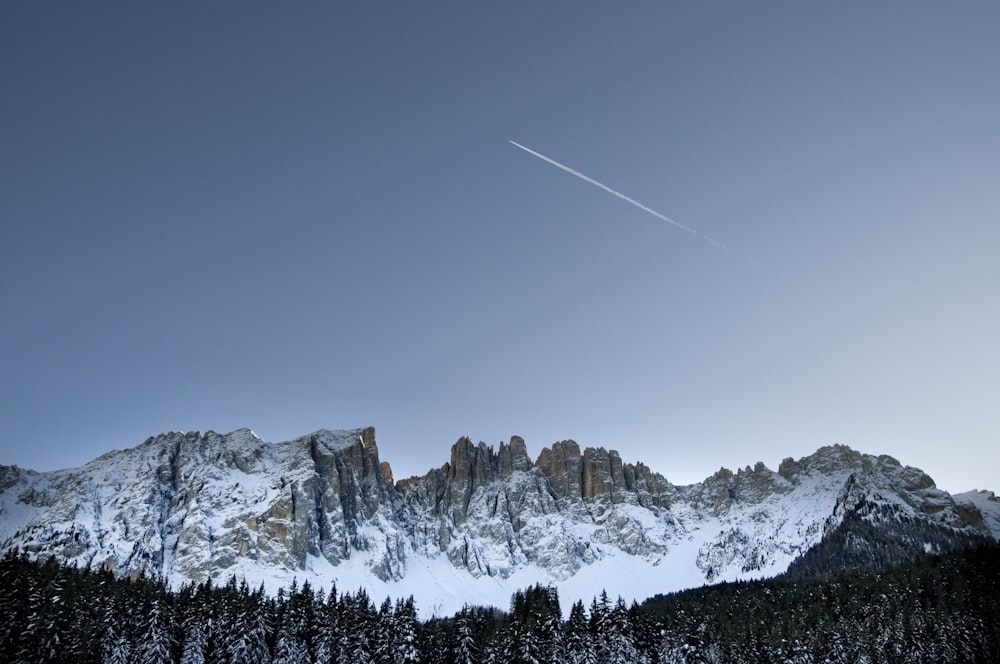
{"points": [[323, 508]]}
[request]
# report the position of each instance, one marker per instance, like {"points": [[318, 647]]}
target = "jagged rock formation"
{"points": [[191, 506]]}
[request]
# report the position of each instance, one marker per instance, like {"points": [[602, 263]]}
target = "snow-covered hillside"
{"points": [[324, 508], [987, 503]]}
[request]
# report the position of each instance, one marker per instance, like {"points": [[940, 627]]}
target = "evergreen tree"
{"points": [[404, 632], [577, 644], [525, 647], [15, 579], [195, 642], [43, 637], [289, 649], [600, 612], [326, 629], [671, 650], [248, 639], [383, 647], [465, 645], [116, 648], [300, 616], [359, 622], [157, 641], [620, 645]]}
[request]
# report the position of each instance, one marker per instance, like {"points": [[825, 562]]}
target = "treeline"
{"points": [[939, 608], [933, 609], [875, 536]]}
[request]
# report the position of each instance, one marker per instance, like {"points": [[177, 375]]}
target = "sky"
{"points": [[294, 216]]}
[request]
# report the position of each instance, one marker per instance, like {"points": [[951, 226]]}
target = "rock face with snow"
{"points": [[189, 507]]}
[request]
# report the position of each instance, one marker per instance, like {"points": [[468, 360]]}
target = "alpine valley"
{"points": [[323, 508]]}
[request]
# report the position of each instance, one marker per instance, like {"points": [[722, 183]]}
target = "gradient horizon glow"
{"points": [[293, 217]]}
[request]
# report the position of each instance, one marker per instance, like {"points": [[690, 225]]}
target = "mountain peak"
{"points": [[336, 439], [187, 507]]}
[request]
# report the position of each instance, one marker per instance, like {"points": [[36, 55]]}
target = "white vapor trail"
{"points": [[622, 196]]}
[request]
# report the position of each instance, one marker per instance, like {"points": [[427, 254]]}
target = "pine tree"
{"points": [[358, 622], [620, 646], [294, 617], [116, 648], [465, 645], [383, 646], [524, 644], [157, 642], [248, 640], [600, 612], [43, 637], [289, 649], [671, 650], [16, 580], [326, 629], [195, 641], [404, 630], [577, 643], [302, 609]]}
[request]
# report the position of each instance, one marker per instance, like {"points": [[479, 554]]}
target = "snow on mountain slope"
{"points": [[190, 506], [987, 503]]}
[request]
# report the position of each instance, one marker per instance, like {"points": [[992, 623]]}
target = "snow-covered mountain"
{"points": [[324, 508]]}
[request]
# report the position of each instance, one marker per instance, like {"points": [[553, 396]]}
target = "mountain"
{"points": [[324, 508]]}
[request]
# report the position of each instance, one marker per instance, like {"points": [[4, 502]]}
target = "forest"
{"points": [[937, 608]]}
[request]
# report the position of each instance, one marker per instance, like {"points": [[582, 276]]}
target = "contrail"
{"points": [[623, 197]]}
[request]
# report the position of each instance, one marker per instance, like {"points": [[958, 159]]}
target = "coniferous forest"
{"points": [[935, 609]]}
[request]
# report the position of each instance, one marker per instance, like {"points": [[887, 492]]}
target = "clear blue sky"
{"points": [[292, 216]]}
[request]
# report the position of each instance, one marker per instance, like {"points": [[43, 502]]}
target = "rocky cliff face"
{"points": [[191, 506]]}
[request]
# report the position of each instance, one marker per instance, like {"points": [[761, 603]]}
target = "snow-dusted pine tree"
{"points": [[465, 646], [195, 641], [404, 619], [577, 644], [157, 641], [289, 649], [620, 645], [249, 639], [116, 649]]}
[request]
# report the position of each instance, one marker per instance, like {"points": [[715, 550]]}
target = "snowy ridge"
{"points": [[988, 504], [189, 506]]}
